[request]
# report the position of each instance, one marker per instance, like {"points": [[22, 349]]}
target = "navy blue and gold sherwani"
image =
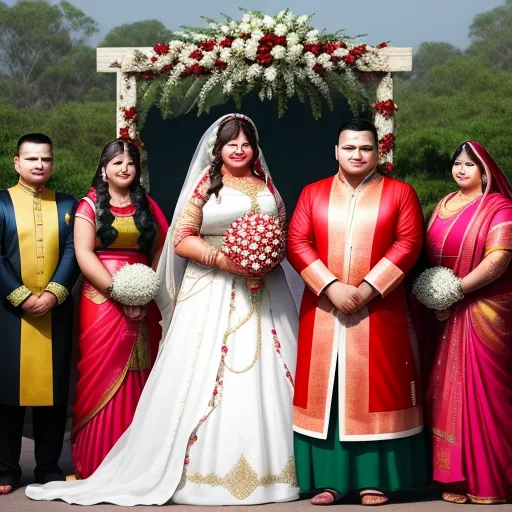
{"points": [[36, 254]]}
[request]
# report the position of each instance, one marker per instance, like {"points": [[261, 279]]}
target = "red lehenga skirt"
{"points": [[116, 355]]}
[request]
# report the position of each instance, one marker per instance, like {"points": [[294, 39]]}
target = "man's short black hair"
{"points": [[359, 125], [36, 138]]}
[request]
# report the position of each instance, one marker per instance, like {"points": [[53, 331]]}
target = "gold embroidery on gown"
{"points": [[241, 481]]}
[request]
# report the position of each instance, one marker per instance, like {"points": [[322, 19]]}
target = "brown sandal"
{"points": [[373, 498], [454, 497]]}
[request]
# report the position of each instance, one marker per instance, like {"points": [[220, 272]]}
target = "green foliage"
{"points": [[141, 33], [78, 132], [430, 191], [492, 37], [43, 58], [429, 55], [457, 101]]}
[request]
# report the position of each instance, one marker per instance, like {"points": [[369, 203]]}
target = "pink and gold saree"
{"points": [[470, 390]]}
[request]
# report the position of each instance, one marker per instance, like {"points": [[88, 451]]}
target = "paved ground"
{"points": [[418, 502]]}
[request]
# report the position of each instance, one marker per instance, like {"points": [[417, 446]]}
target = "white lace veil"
{"points": [[171, 267]]}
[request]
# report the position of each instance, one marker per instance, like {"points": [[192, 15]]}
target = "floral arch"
{"points": [[279, 57]]}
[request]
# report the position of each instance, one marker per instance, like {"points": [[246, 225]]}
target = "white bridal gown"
{"points": [[191, 444]]}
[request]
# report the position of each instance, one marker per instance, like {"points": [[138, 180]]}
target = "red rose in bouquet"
{"points": [[255, 243]]}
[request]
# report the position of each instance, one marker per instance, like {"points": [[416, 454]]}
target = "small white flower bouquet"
{"points": [[134, 285], [438, 288]]}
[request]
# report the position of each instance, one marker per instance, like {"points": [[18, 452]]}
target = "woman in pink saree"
{"points": [[115, 224], [470, 389]]}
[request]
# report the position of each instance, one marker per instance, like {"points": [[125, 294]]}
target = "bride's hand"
{"points": [[135, 313], [224, 263]]}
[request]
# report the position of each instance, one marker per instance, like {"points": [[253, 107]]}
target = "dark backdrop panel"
{"points": [[298, 149]]}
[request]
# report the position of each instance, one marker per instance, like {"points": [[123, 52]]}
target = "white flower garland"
{"points": [[438, 288], [281, 55], [263, 41], [134, 285]]}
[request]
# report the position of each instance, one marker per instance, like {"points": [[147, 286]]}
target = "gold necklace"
{"points": [[255, 308], [460, 197]]}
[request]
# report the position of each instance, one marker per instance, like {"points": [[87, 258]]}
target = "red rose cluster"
{"points": [[386, 108], [130, 113], [265, 46], [161, 48], [386, 143], [255, 243]]}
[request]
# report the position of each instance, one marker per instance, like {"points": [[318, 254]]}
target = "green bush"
{"points": [[78, 131]]}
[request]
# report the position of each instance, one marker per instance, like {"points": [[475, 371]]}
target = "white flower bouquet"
{"points": [[438, 288], [134, 285]]}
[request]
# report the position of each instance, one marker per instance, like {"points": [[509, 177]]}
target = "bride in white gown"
{"points": [[214, 423]]}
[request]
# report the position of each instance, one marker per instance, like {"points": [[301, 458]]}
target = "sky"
{"points": [[403, 22]]}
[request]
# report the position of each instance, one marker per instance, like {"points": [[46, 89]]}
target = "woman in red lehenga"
{"points": [[115, 224], [470, 390]]}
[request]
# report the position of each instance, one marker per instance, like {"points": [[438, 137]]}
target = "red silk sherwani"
{"points": [[372, 233]]}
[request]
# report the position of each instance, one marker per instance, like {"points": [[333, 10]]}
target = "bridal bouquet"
{"points": [[255, 242], [134, 285], [438, 288]]}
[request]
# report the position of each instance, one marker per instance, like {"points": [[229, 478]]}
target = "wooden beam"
{"points": [[400, 59]]}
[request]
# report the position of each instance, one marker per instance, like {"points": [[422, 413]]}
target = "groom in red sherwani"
{"points": [[357, 411]]}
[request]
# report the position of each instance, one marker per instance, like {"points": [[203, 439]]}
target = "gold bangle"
{"points": [[212, 256], [205, 256]]}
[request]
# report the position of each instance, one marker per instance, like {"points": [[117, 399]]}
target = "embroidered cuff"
{"points": [[384, 276], [317, 276], [17, 296], [58, 290]]}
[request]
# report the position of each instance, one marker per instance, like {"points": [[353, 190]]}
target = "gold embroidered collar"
{"points": [[29, 190], [372, 176]]}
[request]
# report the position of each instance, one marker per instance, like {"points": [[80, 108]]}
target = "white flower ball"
{"points": [[278, 52], [244, 27], [256, 23], [310, 59], [254, 71], [295, 51], [251, 48], [246, 18], [238, 44], [323, 58], [438, 288], [224, 29], [302, 20], [281, 29], [225, 55], [281, 14], [208, 60], [312, 36], [134, 285], [340, 52], [268, 21], [292, 39], [270, 74]]}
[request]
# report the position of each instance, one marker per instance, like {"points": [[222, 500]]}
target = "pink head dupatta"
{"points": [[498, 193]]}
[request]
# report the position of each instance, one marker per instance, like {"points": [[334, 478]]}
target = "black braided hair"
{"points": [[229, 129], [143, 218]]}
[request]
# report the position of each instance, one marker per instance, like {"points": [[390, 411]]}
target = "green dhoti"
{"points": [[390, 465]]}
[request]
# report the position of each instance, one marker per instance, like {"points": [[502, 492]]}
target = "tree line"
{"points": [[48, 73]]}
